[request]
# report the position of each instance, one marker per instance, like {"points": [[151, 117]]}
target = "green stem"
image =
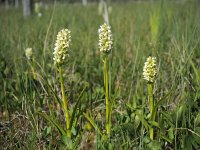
{"points": [[65, 105], [108, 118], [151, 105], [33, 69]]}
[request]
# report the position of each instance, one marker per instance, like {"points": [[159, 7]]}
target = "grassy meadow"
{"points": [[31, 113]]}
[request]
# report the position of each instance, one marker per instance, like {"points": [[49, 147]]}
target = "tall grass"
{"points": [[22, 95]]}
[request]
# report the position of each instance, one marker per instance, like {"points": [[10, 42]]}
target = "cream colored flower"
{"points": [[62, 46], [37, 7], [29, 53], [105, 38], [150, 70]]}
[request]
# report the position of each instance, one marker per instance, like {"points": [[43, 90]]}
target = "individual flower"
{"points": [[28, 53], [62, 46], [105, 38], [150, 70]]}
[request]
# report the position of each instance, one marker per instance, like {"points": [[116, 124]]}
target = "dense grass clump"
{"points": [[31, 112]]}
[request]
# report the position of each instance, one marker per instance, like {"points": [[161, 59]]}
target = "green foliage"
{"points": [[30, 95]]}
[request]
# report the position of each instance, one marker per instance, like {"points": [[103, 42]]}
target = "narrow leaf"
{"points": [[52, 121], [76, 106], [92, 123]]}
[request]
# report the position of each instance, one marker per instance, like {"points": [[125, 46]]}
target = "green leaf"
{"points": [[168, 117], [76, 106], [141, 117], [73, 130], [67, 141], [166, 138], [52, 121], [92, 123], [137, 122], [197, 120], [197, 135], [134, 108], [196, 71], [171, 134], [128, 127], [56, 98], [157, 104], [48, 130], [110, 146], [146, 140], [154, 123], [197, 130], [180, 111], [188, 142], [154, 145]]}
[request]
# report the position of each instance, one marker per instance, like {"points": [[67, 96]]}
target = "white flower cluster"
{"points": [[150, 70], [28, 53], [62, 46], [105, 38]]}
